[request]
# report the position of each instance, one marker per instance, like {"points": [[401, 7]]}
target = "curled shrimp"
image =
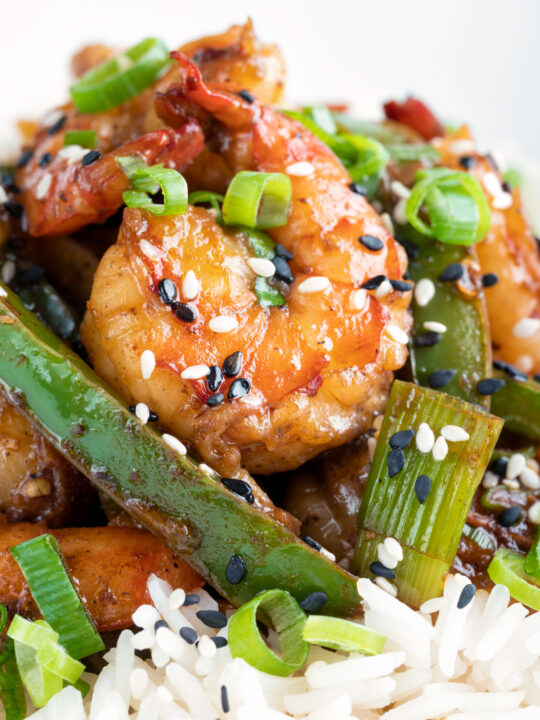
{"points": [[315, 370]]}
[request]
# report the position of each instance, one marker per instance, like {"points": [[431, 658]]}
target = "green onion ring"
{"points": [[288, 619], [84, 138], [339, 634], [40, 683], [257, 200], [146, 180], [206, 196], [507, 568]]}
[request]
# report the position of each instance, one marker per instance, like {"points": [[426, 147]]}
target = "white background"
{"points": [[472, 60]]}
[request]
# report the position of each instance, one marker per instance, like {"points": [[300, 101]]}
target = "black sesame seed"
{"points": [[314, 602], [215, 399], [395, 461], [167, 291], [220, 642], [153, 416], [32, 275], [489, 386], [25, 158], [184, 312], [239, 487], [14, 208], [509, 516], [452, 272], [239, 388], [374, 282], [224, 696], [499, 466], [247, 96], [358, 189], [160, 624], [510, 370], [440, 378], [212, 618], [132, 408], [467, 161], [191, 599], [428, 339], [236, 570], [189, 635], [58, 125], [377, 568], [214, 378], [44, 160], [466, 596], [282, 252], [506, 186], [232, 364], [283, 271], [401, 286], [422, 488], [371, 242], [7, 181], [90, 157], [311, 542], [489, 280], [401, 439]]}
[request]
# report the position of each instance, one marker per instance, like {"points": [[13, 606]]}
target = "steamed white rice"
{"points": [[478, 663]]}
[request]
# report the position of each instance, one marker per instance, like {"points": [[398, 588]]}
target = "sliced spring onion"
{"points": [[40, 683], [339, 634], [370, 161], [532, 559], [262, 244], [205, 196], [455, 204], [257, 200], [507, 568], [12, 695], [412, 152], [3, 617], [35, 634], [267, 295], [117, 80], [287, 619], [322, 117], [479, 536], [52, 657], [84, 138], [145, 180], [513, 177], [56, 596]]}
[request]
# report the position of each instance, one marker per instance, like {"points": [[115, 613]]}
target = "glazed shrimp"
{"points": [[312, 372]]}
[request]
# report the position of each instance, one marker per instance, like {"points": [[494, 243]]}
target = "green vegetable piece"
{"points": [[40, 683], [507, 568], [479, 536], [466, 345], [339, 634], [532, 559], [13, 696], [51, 308], [267, 295], [390, 506], [518, 402], [262, 244], [286, 617], [192, 512], [84, 138], [206, 196], [413, 152]]}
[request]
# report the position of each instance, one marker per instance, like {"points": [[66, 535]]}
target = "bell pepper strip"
{"points": [[191, 510], [465, 346], [419, 500], [415, 115], [518, 402]]}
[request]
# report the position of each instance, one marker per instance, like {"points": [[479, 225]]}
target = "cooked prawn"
{"points": [[317, 368], [110, 565]]}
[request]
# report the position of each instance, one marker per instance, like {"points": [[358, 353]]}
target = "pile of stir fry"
{"points": [[262, 348]]}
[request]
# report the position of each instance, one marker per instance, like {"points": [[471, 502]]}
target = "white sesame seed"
{"points": [[206, 469], [164, 695], [424, 438], [223, 324], [387, 586], [52, 117], [262, 266], [385, 288], [43, 186], [174, 443], [190, 286], [3, 195], [526, 328], [385, 557], [399, 189], [502, 201], [142, 412], [143, 640], [399, 213], [435, 326], [316, 283], [300, 169], [377, 422], [511, 484], [327, 554], [3, 293], [516, 465], [424, 291], [397, 334], [371, 445], [138, 682], [148, 363], [159, 657], [177, 598], [394, 548], [454, 433], [359, 298], [72, 153], [461, 146], [490, 480], [534, 513], [440, 449], [8, 271], [195, 372], [145, 616], [149, 250], [492, 184], [387, 222], [206, 647], [524, 363]]}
